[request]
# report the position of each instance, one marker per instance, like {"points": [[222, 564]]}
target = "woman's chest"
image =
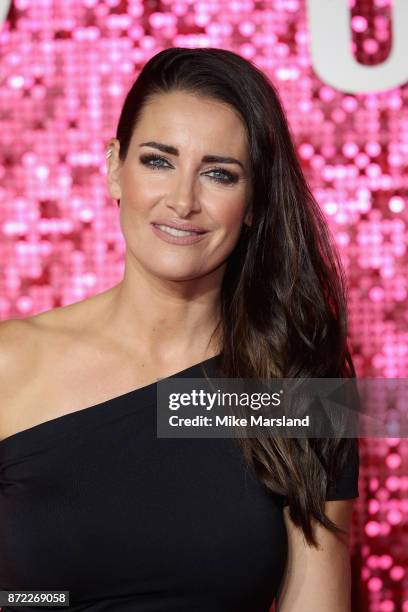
{"points": [[117, 508]]}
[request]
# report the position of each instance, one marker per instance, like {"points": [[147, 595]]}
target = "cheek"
{"points": [[228, 211], [138, 189]]}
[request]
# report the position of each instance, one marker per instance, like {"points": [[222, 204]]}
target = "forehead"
{"points": [[189, 120]]}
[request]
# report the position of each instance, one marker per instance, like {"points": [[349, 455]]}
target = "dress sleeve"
{"points": [[345, 485]]}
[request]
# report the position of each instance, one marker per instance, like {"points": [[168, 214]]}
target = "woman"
{"points": [[92, 502]]}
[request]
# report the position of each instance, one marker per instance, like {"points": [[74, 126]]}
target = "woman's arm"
{"points": [[318, 580]]}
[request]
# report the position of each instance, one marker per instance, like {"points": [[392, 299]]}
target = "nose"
{"points": [[184, 199]]}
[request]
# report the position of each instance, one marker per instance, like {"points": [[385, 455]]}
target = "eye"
{"points": [[226, 177], [146, 159]]}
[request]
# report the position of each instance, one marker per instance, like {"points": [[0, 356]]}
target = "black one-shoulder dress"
{"points": [[93, 503]]}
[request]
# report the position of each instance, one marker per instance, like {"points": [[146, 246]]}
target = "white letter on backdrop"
{"points": [[332, 58], [4, 9]]}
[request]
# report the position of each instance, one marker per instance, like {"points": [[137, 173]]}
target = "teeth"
{"points": [[176, 232]]}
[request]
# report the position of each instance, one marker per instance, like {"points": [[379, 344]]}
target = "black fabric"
{"points": [[94, 503], [346, 484]]}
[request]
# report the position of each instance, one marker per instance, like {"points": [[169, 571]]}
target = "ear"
{"points": [[248, 218], [113, 168]]}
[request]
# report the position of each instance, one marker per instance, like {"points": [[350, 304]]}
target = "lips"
{"points": [[161, 226], [178, 238], [187, 227]]}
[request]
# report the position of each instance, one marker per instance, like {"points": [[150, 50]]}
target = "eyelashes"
{"points": [[226, 176]]}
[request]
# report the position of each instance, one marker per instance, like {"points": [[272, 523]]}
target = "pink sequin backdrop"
{"points": [[65, 68]]}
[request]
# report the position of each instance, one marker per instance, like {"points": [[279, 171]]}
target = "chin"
{"points": [[173, 273]]}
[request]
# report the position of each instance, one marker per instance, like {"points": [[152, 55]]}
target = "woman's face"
{"points": [[170, 180]]}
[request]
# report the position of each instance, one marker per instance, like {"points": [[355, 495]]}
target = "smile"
{"points": [[175, 236], [176, 232]]}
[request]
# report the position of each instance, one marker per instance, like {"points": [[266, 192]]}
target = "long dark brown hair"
{"points": [[283, 296]]}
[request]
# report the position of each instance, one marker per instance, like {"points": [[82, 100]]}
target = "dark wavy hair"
{"points": [[283, 302]]}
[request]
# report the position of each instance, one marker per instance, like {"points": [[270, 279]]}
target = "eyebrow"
{"points": [[170, 150]]}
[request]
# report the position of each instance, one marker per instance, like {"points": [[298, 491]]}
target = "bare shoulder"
{"points": [[18, 366], [37, 357], [26, 341], [18, 342], [22, 341]]}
